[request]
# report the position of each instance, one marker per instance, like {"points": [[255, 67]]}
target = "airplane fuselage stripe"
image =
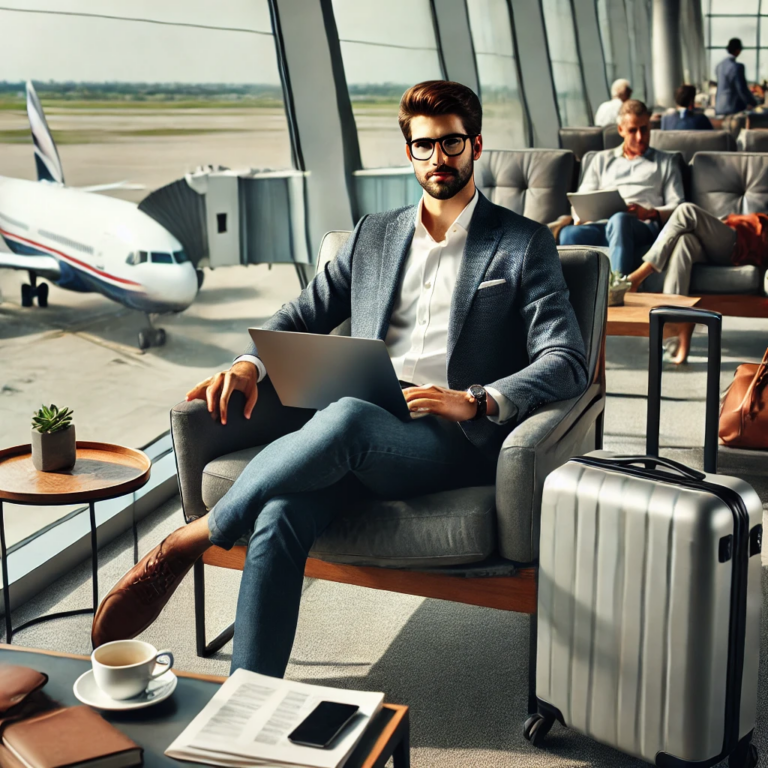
{"points": [[71, 259]]}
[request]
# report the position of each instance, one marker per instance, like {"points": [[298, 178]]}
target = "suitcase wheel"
{"points": [[744, 759], [537, 727]]}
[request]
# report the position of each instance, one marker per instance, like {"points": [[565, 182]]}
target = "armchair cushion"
{"points": [[438, 529], [688, 143], [730, 182]]}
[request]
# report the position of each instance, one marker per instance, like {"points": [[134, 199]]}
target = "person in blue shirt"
{"points": [[684, 118], [733, 94]]}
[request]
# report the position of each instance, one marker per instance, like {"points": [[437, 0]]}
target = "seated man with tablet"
{"points": [[648, 181], [469, 300]]}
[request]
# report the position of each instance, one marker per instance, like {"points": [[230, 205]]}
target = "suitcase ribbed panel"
{"points": [[634, 612]]}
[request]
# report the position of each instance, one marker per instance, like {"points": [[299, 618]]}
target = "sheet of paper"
{"points": [[248, 721]]}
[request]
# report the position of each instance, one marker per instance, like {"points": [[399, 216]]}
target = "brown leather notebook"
{"points": [[70, 738]]}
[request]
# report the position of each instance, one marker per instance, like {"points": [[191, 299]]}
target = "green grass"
{"points": [[22, 135]]}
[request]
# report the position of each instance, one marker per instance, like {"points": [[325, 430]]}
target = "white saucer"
{"points": [[159, 689]]}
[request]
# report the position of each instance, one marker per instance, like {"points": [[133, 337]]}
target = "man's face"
{"points": [[636, 132], [443, 176]]}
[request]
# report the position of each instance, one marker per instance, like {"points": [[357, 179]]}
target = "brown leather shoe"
{"points": [[137, 599]]}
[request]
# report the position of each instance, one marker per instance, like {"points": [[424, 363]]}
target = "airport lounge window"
{"points": [[606, 38], [745, 19], [504, 119], [566, 66], [136, 97], [381, 61]]}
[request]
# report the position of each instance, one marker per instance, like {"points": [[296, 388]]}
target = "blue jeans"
{"points": [[292, 490], [626, 236]]}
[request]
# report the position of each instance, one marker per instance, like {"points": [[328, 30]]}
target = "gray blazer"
{"points": [[520, 337], [733, 94]]}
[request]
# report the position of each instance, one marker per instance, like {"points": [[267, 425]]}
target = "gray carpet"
{"points": [[461, 669]]}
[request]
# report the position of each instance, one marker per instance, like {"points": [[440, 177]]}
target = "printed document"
{"points": [[248, 720]]}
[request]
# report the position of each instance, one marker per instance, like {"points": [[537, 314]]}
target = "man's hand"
{"points": [[217, 389], [644, 214], [449, 404]]}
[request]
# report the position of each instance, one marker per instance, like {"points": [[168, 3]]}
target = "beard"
{"points": [[445, 190]]}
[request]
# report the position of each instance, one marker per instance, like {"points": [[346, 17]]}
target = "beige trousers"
{"points": [[690, 236]]}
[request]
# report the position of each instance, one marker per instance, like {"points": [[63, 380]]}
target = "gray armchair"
{"points": [[430, 544], [688, 143]]}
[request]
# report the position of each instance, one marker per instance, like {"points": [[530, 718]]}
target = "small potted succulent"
{"points": [[618, 285], [53, 439]]}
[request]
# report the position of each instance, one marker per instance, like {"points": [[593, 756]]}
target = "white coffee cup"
{"points": [[123, 668]]}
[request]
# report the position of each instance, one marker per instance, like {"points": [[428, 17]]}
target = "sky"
{"points": [[42, 41]]}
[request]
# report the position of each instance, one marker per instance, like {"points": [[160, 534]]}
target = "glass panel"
{"points": [[504, 121], [566, 67], [723, 28], [733, 6], [161, 258], [379, 71], [146, 103], [604, 21]]}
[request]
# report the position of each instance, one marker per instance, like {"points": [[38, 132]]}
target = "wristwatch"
{"points": [[481, 398]]}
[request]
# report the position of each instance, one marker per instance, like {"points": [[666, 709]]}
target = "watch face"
{"points": [[476, 391]]}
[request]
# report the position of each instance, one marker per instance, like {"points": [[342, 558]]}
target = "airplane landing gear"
{"points": [[151, 337], [31, 290]]}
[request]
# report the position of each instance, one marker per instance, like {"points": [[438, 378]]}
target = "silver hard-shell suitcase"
{"points": [[649, 596]]}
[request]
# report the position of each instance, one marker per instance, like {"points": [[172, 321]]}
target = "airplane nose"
{"points": [[179, 290]]}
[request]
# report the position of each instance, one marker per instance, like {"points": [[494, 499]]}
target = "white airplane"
{"points": [[87, 242]]}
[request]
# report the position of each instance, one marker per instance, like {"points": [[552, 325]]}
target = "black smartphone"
{"points": [[323, 724]]}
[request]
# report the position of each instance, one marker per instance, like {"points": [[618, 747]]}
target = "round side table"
{"points": [[101, 471]]}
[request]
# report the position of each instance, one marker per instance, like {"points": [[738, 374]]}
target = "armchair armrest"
{"points": [[198, 439], [540, 444]]}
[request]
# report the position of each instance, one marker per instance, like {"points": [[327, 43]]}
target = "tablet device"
{"points": [[312, 370], [597, 206]]}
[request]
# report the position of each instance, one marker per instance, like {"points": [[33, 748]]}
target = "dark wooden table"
{"points": [[155, 728], [101, 471]]}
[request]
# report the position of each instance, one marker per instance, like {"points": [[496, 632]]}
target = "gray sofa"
{"points": [[688, 143], [753, 141], [531, 182], [483, 531], [724, 183], [582, 140]]}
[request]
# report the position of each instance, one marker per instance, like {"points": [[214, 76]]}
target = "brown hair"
{"points": [[433, 98], [685, 95], [633, 107]]}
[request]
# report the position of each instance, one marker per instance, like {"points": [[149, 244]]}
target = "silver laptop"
{"points": [[598, 205], [311, 370]]}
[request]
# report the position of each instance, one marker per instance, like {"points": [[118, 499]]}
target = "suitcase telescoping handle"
{"points": [[714, 322]]}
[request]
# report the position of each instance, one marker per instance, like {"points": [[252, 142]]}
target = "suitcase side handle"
{"points": [[625, 461], [714, 323]]}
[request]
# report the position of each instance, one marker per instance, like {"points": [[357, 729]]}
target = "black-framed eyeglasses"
{"points": [[452, 145]]}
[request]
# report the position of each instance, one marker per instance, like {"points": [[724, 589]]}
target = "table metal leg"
{"points": [[94, 557], [6, 585]]}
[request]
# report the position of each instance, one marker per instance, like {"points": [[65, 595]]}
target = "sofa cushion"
{"points": [[447, 528], [531, 182], [581, 140], [753, 141], [730, 182], [611, 138], [688, 143], [708, 278]]}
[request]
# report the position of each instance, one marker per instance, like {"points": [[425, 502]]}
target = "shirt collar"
{"points": [[462, 220], [647, 155]]}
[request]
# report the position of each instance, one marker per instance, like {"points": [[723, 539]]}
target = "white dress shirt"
{"points": [[417, 338], [608, 112]]}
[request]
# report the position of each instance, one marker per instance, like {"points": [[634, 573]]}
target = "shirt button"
{"points": [[453, 230], [428, 285], [423, 320]]}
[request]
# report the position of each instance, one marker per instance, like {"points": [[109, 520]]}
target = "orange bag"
{"points": [[744, 412]]}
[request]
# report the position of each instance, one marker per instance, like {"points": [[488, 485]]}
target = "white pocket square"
{"points": [[491, 283]]}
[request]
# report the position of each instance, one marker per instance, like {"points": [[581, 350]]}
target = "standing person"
{"points": [[461, 291], [684, 118], [648, 179], [608, 112], [693, 236], [733, 94]]}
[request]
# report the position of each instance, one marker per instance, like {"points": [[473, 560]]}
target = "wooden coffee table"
{"points": [[156, 727], [101, 471], [631, 319]]}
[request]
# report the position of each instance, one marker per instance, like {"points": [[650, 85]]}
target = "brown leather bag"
{"points": [[744, 412]]}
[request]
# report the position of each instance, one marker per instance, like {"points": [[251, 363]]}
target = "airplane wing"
{"points": [[113, 185], [45, 266]]}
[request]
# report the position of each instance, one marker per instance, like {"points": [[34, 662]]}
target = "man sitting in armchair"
{"points": [[648, 179], [471, 302]]}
